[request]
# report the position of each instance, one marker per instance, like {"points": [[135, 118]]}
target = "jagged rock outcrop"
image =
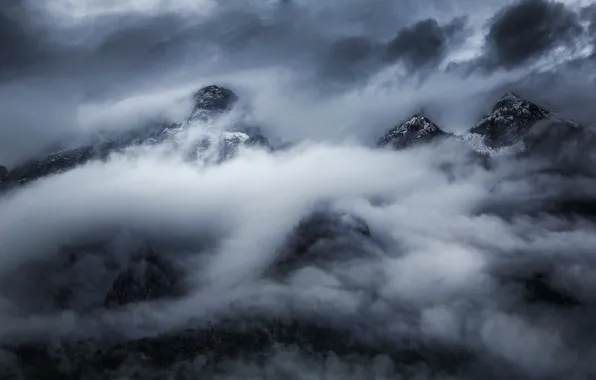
{"points": [[97, 273], [148, 277], [517, 126], [210, 102], [318, 237], [512, 121], [55, 163], [226, 145], [417, 129], [324, 237], [508, 121]]}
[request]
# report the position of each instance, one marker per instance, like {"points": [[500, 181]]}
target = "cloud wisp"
{"points": [[430, 262]]}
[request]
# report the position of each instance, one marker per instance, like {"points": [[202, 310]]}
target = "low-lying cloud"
{"points": [[487, 260]]}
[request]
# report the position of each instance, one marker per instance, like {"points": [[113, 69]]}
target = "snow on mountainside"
{"points": [[504, 130], [148, 272], [210, 102], [508, 127], [511, 117], [514, 125], [417, 129]]}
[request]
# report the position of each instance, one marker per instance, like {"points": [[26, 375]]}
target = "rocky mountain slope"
{"points": [[417, 129], [510, 122], [210, 102], [148, 274]]}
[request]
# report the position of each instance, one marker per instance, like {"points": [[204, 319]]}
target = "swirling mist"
{"points": [[450, 241]]}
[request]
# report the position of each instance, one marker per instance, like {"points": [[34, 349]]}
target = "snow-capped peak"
{"points": [[417, 128]]}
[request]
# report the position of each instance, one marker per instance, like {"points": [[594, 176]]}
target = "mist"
{"points": [[435, 261]]}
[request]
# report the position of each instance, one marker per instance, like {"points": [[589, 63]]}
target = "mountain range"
{"points": [[150, 275], [508, 124]]}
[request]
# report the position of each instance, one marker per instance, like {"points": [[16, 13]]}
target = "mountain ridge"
{"points": [[509, 121], [149, 275], [417, 129], [210, 102]]}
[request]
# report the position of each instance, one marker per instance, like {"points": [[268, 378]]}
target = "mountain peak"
{"points": [[211, 101], [416, 129], [516, 102], [508, 99], [511, 117]]}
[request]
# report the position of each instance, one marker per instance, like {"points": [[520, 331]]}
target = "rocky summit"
{"points": [[417, 129], [509, 120], [509, 123], [147, 273], [210, 102], [297, 190], [513, 122], [318, 236]]}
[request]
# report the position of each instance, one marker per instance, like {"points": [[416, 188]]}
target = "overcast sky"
{"points": [[450, 238]]}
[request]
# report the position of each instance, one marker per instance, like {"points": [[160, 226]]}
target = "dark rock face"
{"points": [[210, 102], [418, 129], [148, 277], [512, 120], [53, 164], [226, 145], [532, 131], [88, 277], [562, 146], [509, 120], [76, 278], [317, 239], [231, 142], [324, 237]]}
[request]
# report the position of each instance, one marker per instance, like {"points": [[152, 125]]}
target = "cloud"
{"points": [[425, 43], [91, 53], [433, 227], [457, 257], [529, 29], [20, 45]]}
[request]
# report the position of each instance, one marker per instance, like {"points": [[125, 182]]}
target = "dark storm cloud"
{"points": [[53, 65], [133, 46], [50, 71], [528, 29], [425, 43], [474, 231], [19, 41]]}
